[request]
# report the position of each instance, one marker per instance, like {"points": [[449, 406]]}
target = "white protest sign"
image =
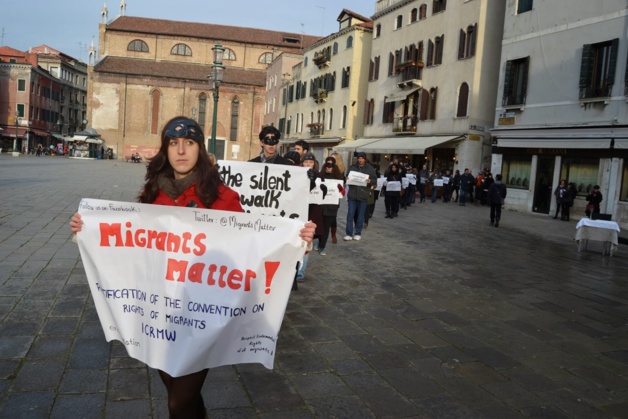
{"points": [[186, 288], [393, 186], [269, 189], [381, 181], [405, 182], [445, 180], [438, 182], [333, 195], [357, 178], [411, 178]]}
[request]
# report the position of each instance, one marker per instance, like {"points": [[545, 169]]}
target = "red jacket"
{"points": [[228, 199]]}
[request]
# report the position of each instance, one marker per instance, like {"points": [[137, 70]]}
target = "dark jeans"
{"points": [[422, 191], [496, 212], [463, 196], [329, 221], [354, 206], [392, 204]]}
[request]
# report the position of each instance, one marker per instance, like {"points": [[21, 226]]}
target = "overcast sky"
{"points": [[69, 25]]}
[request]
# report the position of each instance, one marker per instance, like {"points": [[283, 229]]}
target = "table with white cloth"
{"points": [[598, 230]]}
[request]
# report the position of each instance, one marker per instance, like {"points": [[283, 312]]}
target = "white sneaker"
{"points": [[347, 238], [357, 237]]}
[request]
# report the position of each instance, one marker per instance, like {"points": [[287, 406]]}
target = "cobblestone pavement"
{"points": [[432, 314]]}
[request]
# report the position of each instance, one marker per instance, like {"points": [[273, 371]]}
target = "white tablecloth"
{"points": [[599, 230]]}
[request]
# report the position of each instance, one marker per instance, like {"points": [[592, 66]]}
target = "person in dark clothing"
{"points": [[568, 200], [391, 198], [330, 212], [269, 141], [496, 196], [467, 182], [593, 201], [561, 195], [424, 176], [456, 185]]}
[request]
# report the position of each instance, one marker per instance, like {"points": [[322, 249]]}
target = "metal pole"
{"points": [[212, 146], [15, 152]]}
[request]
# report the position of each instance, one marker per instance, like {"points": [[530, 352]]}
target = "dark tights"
{"points": [[184, 395]]}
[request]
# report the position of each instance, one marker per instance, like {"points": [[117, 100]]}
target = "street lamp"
{"points": [[215, 78]]}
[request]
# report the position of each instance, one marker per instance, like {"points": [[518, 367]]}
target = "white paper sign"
{"points": [[405, 182], [357, 178], [438, 182], [186, 288], [411, 178], [381, 181], [393, 186], [332, 196], [446, 180], [269, 189]]}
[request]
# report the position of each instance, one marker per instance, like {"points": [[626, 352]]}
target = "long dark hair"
{"points": [[207, 176], [335, 173]]}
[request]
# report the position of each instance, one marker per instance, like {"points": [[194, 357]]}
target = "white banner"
{"points": [[393, 186], [411, 178], [186, 288], [269, 189], [405, 182], [357, 178], [333, 195], [445, 180], [438, 182]]}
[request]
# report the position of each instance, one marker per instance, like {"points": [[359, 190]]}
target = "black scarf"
{"points": [[175, 187]]}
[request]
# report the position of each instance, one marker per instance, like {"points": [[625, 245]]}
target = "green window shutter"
{"points": [[509, 79], [612, 65], [586, 65], [524, 78], [461, 44]]}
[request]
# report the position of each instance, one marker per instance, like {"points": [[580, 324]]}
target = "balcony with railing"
{"points": [[406, 124], [410, 73], [320, 96], [316, 129], [322, 58]]}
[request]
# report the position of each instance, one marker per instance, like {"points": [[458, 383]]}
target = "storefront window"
{"points": [[623, 196], [583, 172], [516, 172]]}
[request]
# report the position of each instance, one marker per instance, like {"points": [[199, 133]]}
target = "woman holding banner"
{"points": [[182, 174]]}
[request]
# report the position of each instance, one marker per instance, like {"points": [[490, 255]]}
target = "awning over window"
{"points": [[602, 143], [39, 133], [621, 144], [79, 137], [94, 141], [400, 95], [574, 138], [409, 145], [334, 140], [57, 136], [355, 144]]}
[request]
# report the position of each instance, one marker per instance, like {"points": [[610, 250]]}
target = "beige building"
{"points": [[322, 97], [150, 70], [431, 82]]}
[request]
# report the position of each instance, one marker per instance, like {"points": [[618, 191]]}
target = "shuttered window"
{"points": [[597, 69], [516, 82]]}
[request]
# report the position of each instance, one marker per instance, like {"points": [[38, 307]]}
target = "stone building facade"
{"points": [[150, 70]]}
